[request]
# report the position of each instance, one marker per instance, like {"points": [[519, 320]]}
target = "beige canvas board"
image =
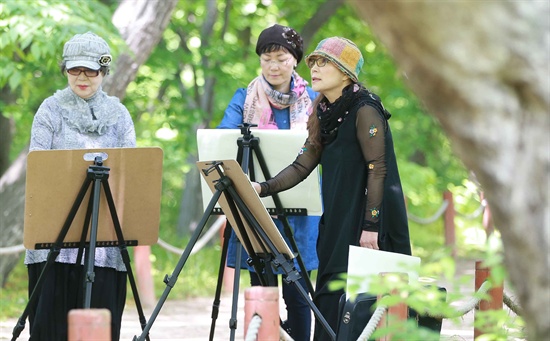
{"points": [[55, 177], [245, 191]]}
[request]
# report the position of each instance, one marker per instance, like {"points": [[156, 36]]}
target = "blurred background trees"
{"points": [[205, 53], [177, 65]]}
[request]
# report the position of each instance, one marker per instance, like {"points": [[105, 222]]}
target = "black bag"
{"points": [[355, 314]]}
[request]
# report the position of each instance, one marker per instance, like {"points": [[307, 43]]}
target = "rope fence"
{"points": [[462, 310], [373, 323], [478, 301], [212, 231], [10, 250], [514, 307], [206, 237], [253, 328], [433, 218], [477, 213]]}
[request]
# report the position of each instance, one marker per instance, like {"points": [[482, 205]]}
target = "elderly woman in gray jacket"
{"points": [[81, 116]]}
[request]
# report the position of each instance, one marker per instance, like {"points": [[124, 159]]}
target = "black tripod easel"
{"points": [[249, 146], [253, 225], [98, 175]]}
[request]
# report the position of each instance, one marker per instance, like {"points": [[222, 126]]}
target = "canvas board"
{"points": [[279, 149], [246, 192], [366, 263], [55, 177]]}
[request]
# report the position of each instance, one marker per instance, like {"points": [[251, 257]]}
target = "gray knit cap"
{"points": [[86, 50]]}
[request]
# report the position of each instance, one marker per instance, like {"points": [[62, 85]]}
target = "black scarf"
{"points": [[332, 115]]}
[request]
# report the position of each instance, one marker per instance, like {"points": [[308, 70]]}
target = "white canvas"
{"points": [[365, 263], [279, 149]]}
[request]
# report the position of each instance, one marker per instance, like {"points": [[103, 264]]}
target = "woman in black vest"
{"points": [[350, 137]]}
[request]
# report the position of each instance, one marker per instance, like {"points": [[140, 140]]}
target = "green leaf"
{"points": [[15, 80]]}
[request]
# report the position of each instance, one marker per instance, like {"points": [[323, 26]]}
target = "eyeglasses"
{"points": [[87, 72], [275, 62], [319, 61]]}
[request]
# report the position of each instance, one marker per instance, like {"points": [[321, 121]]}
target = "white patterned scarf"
{"points": [[94, 114]]}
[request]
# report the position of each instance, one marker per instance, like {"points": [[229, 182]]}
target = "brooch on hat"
{"points": [[105, 60], [292, 37]]}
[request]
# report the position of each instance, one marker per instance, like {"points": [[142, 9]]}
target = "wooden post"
{"points": [[263, 301], [496, 295], [143, 274], [396, 313], [450, 239], [89, 324]]}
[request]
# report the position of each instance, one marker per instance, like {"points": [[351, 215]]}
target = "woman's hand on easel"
{"points": [[257, 187]]}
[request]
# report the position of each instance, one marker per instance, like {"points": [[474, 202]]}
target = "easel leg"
{"points": [[292, 276], [124, 253], [170, 281], [54, 252], [90, 251], [255, 147], [280, 261], [236, 282], [216, 303]]}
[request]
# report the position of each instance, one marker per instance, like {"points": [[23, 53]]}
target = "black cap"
{"points": [[284, 36]]}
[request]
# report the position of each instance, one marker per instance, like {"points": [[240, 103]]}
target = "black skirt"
{"points": [[63, 289]]}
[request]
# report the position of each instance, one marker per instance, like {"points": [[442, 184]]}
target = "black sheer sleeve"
{"points": [[296, 172], [371, 135]]}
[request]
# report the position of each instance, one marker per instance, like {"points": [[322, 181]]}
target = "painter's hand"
{"points": [[257, 187], [369, 240]]}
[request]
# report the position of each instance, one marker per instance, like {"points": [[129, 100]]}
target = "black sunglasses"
{"points": [[87, 72]]}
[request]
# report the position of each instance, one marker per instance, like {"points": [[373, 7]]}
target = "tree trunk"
{"points": [[12, 201], [141, 24], [325, 11], [482, 69], [5, 142], [6, 129]]}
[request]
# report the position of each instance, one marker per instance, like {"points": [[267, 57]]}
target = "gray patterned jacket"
{"points": [[66, 121]]}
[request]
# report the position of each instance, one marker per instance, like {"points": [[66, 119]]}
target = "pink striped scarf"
{"points": [[260, 97]]}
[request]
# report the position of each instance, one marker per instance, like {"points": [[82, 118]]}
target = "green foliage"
{"points": [[32, 34], [171, 97], [168, 98], [498, 325], [405, 330], [424, 297], [13, 296]]}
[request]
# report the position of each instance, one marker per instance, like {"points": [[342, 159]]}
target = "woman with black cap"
{"points": [[81, 116], [279, 99], [349, 135]]}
